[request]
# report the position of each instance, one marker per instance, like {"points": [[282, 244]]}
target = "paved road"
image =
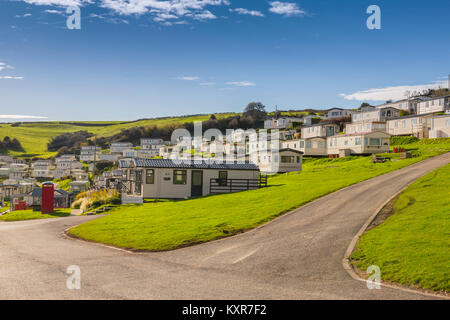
{"points": [[295, 257]]}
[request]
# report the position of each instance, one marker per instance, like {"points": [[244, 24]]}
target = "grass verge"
{"points": [[412, 246], [21, 215], [162, 226]]}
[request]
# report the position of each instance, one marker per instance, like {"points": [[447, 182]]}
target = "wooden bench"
{"points": [[406, 155], [378, 159]]}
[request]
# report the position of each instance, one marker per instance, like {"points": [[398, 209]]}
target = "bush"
{"points": [[68, 142], [95, 199], [396, 141]]}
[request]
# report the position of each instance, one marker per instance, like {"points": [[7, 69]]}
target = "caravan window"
{"points": [[287, 159], [179, 177], [150, 176]]}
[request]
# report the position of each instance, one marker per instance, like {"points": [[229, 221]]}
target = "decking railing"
{"points": [[218, 186]]}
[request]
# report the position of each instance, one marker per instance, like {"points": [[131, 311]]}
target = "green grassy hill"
{"points": [[34, 136], [412, 247]]}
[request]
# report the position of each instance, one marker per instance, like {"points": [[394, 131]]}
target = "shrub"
{"points": [[396, 141], [96, 199]]}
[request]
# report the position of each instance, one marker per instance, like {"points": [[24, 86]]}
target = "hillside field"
{"points": [[34, 136]]}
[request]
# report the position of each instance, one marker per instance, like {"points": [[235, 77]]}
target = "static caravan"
{"points": [[365, 127], [440, 127], [415, 125], [309, 147], [439, 104], [320, 130], [359, 144], [179, 179], [379, 114]]}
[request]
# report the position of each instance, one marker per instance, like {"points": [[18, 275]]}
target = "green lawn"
{"points": [[168, 225], [20, 215], [412, 247]]}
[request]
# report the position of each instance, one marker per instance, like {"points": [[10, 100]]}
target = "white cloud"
{"points": [[248, 12], [11, 78], [167, 8], [204, 15], [62, 3], [188, 78], [206, 84], [5, 66], [20, 116], [24, 15], [51, 11], [241, 83], [391, 93], [287, 9], [161, 10]]}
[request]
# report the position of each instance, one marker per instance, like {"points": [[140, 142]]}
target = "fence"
{"points": [[218, 186]]}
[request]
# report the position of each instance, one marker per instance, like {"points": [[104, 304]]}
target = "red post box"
{"points": [[48, 197]]}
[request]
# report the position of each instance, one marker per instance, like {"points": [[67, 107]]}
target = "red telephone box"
{"points": [[48, 197]]}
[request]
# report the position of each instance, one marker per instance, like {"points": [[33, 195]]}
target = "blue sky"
{"points": [[148, 58]]}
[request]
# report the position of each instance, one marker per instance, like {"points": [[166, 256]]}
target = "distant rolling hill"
{"points": [[34, 136]]}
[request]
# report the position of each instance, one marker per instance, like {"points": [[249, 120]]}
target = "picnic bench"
{"points": [[406, 155], [378, 159]]}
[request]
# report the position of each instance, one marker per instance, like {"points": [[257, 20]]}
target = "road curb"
{"points": [[346, 260]]}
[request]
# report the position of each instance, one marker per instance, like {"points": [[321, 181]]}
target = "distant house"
{"points": [[168, 179], [78, 186], [61, 173], [17, 173], [61, 198], [6, 159], [148, 153], [378, 114], [130, 153], [153, 144], [9, 188], [408, 105], [89, 153], [358, 144], [320, 130], [281, 122], [120, 147], [435, 105], [338, 113], [111, 157], [66, 157]]}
